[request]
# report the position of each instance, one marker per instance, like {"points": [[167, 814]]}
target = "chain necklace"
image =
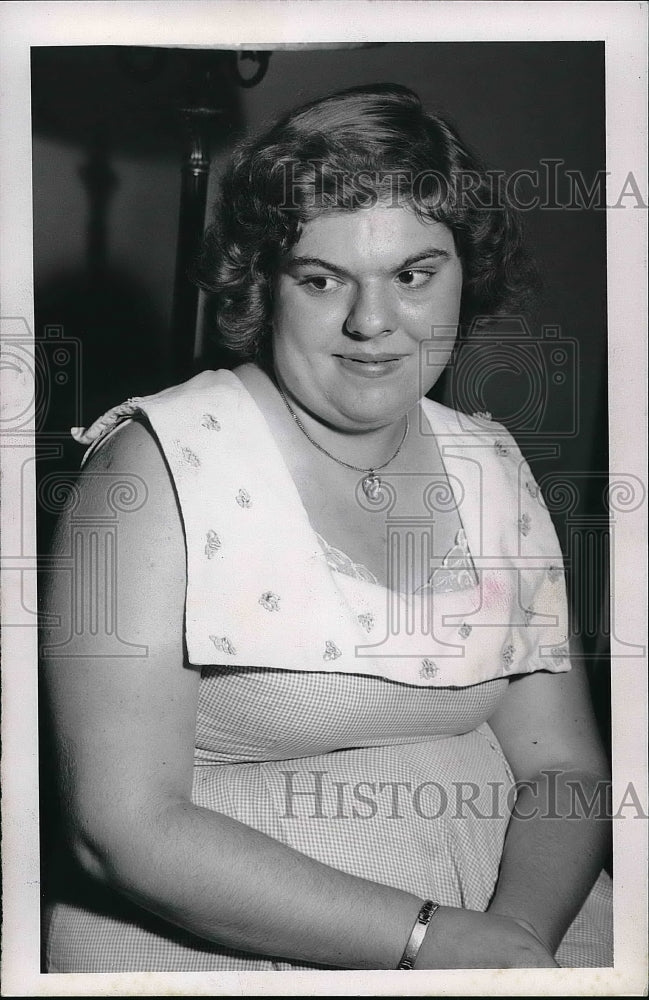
{"points": [[370, 483]]}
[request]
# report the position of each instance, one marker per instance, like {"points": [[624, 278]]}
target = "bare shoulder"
{"points": [[125, 490], [131, 449], [127, 474]]}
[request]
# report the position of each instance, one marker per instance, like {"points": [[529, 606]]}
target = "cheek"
{"points": [[297, 332], [308, 322], [452, 292], [288, 321], [441, 309], [437, 321]]}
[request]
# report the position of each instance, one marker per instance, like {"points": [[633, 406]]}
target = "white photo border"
{"points": [[249, 24]]}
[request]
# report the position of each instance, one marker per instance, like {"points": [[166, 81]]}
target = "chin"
{"points": [[371, 418]]}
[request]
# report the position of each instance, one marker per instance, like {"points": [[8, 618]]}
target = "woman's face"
{"points": [[366, 307]]}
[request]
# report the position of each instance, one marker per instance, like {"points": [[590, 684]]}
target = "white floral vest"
{"points": [[261, 592]]}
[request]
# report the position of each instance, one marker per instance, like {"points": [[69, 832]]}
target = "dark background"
{"points": [[108, 141]]}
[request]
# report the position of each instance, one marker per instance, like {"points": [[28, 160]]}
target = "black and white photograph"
{"points": [[324, 499]]}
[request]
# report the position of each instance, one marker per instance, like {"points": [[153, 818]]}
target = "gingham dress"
{"points": [[403, 783]]}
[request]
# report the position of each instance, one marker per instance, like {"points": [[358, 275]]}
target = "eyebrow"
{"points": [[435, 253]]}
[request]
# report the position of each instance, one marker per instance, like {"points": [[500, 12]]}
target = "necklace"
{"points": [[370, 483]]}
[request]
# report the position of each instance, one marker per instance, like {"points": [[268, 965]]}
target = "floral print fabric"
{"points": [[259, 592]]}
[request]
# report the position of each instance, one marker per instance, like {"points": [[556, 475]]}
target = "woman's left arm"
{"points": [[559, 833]]}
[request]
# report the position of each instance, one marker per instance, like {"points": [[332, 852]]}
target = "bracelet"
{"points": [[416, 939]]}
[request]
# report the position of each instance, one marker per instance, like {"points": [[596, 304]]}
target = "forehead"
{"points": [[382, 234]]}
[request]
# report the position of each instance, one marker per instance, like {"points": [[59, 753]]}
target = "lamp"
{"points": [[150, 101]]}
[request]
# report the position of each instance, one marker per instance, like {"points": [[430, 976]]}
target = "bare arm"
{"points": [[126, 729], [559, 835]]}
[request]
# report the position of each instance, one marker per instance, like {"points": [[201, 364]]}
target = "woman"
{"points": [[336, 583]]}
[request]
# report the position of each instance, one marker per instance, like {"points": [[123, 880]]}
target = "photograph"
{"points": [[324, 509]]}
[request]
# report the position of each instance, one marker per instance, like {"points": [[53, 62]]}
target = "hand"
{"points": [[467, 939]]}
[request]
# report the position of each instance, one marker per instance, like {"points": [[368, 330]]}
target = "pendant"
{"points": [[372, 487]]}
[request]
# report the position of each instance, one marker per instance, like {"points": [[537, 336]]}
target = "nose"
{"points": [[372, 313]]}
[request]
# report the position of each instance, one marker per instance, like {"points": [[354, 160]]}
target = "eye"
{"points": [[320, 284], [412, 278]]}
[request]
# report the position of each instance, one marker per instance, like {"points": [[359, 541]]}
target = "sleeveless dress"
{"points": [[335, 716]]}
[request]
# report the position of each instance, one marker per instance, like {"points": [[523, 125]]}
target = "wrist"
{"points": [[418, 933]]}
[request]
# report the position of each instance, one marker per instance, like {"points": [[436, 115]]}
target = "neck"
{"points": [[365, 448]]}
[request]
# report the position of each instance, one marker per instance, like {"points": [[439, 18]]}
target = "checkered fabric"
{"points": [[401, 785]]}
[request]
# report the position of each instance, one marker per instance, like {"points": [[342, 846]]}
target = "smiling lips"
{"points": [[370, 359], [370, 365]]}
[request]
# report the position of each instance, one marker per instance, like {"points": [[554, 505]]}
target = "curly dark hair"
{"points": [[342, 153]]}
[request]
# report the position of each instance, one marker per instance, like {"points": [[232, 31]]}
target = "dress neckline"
{"points": [[452, 578], [456, 572]]}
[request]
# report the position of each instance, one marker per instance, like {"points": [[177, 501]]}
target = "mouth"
{"points": [[370, 365], [370, 359]]}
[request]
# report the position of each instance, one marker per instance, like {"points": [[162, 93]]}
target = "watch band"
{"points": [[416, 939]]}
